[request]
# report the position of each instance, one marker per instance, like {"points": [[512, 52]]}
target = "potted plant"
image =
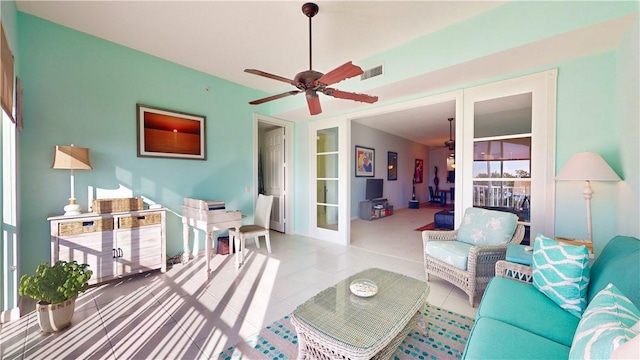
{"points": [[55, 289]]}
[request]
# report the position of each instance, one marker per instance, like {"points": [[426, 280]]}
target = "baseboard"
{"points": [[9, 315]]}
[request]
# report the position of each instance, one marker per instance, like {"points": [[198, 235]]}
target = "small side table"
{"points": [[517, 254]]}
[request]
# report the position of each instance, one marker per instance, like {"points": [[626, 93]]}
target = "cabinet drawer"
{"points": [[84, 226], [134, 221]]}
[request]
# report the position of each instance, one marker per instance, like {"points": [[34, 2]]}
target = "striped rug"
{"points": [[446, 336]]}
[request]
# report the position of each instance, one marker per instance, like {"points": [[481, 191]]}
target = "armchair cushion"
{"points": [[561, 272], [454, 253], [487, 227], [606, 324]]}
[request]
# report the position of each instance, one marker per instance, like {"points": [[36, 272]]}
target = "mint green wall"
{"points": [[586, 111], [628, 129], [83, 90]]}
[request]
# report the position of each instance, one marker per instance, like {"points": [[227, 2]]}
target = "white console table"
{"points": [[196, 214]]}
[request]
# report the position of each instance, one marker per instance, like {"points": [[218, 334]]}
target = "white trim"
{"points": [[289, 165]]}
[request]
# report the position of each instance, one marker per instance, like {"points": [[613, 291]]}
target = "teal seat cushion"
{"points": [[617, 264], [492, 339], [606, 324], [561, 272], [454, 253], [487, 227], [523, 306]]}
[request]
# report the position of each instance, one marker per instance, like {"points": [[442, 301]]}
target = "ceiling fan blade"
{"points": [[350, 96], [313, 101], [340, 73], [270, 76], [274, 97]]}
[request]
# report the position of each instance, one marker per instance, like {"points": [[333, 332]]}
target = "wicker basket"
{"points": [[134, 221], [105, 206], [83, 226]]}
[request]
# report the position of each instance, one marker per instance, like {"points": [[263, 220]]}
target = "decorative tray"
{"points": [[363, 288]]}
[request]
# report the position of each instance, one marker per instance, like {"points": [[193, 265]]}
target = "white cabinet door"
{"points": [[138, 249], [95, 249]]}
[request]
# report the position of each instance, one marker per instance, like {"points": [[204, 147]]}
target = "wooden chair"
{"points": [[260, 226], [435, 197]]}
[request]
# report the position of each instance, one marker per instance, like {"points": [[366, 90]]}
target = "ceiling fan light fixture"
{"points": [[311, 82], [451, 144]]}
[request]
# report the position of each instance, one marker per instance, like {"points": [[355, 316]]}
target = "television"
{"points": [[373, 189]]}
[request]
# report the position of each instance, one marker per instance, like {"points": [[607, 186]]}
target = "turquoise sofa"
{"points": [[516, 321]]}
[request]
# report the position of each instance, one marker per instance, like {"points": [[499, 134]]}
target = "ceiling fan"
{"points": [[311, 82], [451, 144]]}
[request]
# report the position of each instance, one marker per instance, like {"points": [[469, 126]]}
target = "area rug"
{"points": [[447, 334], [430, 226]]}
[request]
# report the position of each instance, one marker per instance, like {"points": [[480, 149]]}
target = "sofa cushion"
{"points": [[493, 339], [454, 253], [487, 227], [561, 272], [606, 324], [523, 306], [617, 264]]}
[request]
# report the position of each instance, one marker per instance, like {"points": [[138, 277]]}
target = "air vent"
{"points": [[373, 72]]}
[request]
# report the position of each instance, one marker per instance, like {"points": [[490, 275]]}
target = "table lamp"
{"points": [[587, 167], [71, 158]]}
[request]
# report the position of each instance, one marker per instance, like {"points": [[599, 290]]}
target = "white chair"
{"points": [[260, 227]]}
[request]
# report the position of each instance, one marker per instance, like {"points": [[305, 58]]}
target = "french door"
{"points": [[509, 149], [328, 169]]}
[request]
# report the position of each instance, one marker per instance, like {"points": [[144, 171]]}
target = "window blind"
{"points": [[6, 75]]}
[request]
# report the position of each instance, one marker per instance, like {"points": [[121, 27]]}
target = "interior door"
{"points": [[329, 213], [274, 179]]}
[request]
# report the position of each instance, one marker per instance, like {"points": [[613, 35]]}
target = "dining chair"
{"points": [[260, 226]]}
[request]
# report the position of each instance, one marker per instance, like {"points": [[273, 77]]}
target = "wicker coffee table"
{"points": [[337, 324]]}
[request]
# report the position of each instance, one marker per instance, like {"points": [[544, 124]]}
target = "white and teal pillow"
{"points": [[609, 321], [487, 227], [561, 272]]}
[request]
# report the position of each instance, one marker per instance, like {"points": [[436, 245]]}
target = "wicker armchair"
{"points": [[480, 264]]}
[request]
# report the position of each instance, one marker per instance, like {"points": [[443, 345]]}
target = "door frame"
{"points": [[288, 159]]}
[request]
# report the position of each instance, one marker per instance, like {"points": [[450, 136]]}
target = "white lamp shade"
{"points": [[71, 158], [587, 166]]}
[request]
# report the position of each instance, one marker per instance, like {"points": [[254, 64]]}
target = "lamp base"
{"points": [[72, 209]]}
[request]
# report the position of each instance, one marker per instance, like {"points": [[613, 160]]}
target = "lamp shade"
{"points": [[71, 158], [587, 166]]}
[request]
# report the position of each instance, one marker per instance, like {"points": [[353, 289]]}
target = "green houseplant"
{"points": [[55, 288]]}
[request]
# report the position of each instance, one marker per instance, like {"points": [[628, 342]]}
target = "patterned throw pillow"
{"points": [[607, 323], [487, 227], [561, 272]]}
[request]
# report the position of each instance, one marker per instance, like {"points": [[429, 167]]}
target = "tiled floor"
{"points": [[187, 314]]}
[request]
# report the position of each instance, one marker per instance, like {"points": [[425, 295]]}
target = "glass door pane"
{"points": [[327, 170]]}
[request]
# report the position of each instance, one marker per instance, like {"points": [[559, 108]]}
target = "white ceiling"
{"points": [[222, 38]]}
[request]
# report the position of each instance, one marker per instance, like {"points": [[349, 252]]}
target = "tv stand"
{"points": [[375, 209]]}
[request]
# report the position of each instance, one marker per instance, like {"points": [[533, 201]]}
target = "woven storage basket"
{"points": [[83, 227], [133, 221], [105, 206]]}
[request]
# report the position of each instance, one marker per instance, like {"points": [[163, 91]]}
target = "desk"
{"points": [[337, 324], [195, 214]]}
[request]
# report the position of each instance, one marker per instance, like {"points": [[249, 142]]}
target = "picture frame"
{"points": [[418, 171], [365, 161], [170, 134], [392, 165]]}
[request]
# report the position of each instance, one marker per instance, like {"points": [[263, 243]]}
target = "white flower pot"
{"points": [[55, 317]]}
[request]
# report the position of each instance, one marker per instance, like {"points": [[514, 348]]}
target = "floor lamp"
{"points": [[71, 158], [587, 167]]}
